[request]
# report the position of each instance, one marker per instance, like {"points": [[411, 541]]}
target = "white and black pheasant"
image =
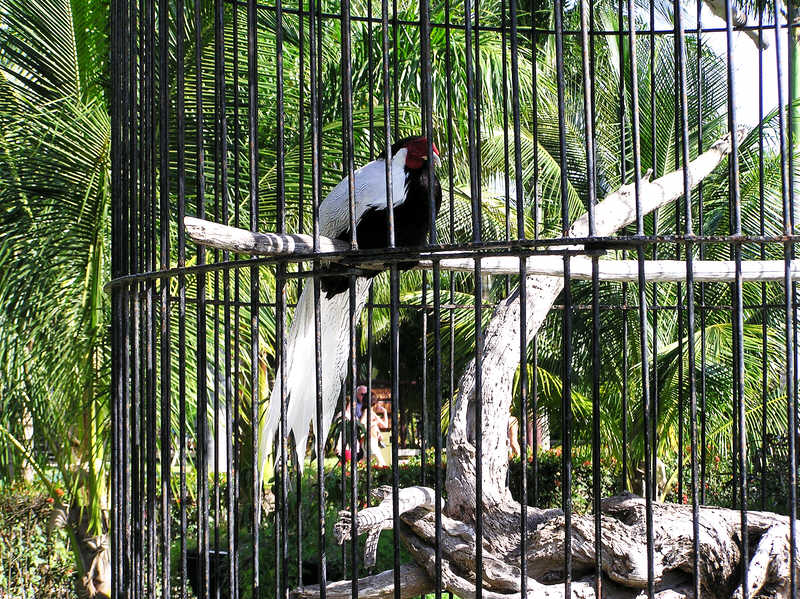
{"points": [[411, 207]]}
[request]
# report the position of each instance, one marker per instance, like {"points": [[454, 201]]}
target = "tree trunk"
{"points": [[94, 550], [28, 473], [500, 357]]}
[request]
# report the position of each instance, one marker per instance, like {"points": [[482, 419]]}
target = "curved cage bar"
{"points": [[574, 280]]}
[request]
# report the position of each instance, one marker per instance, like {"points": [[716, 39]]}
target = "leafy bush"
{"points": [[548, 484], [409, 473], [32, 563], [545, 480], [768, 483], [337, 557]]}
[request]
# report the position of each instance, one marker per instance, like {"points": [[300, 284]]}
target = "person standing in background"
{"points": [[361, 401], [378, 418]]}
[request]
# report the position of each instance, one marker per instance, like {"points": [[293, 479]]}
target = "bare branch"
{"points": [[500, 358], [627, 271], [223, 237], [371, 521], [414, 581]]}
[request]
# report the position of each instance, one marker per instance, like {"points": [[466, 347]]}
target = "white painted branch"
{"points": [[500, 358], [618, 209], [223, 237], [627, 271]]}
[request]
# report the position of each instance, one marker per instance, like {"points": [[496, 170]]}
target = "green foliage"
{"points": [[768, 477], [546, 481], [337, 557], [54, 223], [410, 474], [33, 562]]}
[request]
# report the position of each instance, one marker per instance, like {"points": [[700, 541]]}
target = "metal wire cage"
{"points": [[612, 268]]}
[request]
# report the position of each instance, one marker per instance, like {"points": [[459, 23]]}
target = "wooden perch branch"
{"points": [[223, 237], [627, 271]]}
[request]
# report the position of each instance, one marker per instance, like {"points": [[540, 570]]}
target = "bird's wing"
{"points": [[370, 194]]}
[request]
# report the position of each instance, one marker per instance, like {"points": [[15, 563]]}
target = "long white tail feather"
{"points": [[300, 388]]}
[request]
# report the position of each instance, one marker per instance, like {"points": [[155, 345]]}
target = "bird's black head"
{"points": [[417, 151]]}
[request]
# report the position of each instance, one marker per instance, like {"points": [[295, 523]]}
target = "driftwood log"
{"points": [[623, 542], [624, 558]]}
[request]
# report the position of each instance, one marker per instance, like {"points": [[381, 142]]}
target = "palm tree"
{"points": [[55, 193]]}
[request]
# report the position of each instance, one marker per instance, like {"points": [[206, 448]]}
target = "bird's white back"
{"points": [[370, 189]]}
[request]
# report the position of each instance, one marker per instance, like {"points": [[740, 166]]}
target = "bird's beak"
{"points": [[437, 162]]}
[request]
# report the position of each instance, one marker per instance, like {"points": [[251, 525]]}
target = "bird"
{"points": [[411, 185]]}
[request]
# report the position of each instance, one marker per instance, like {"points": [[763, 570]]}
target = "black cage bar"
{"points": [[604, 302]]}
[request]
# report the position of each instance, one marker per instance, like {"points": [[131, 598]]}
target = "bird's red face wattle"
{"points": [[417, 153]]}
